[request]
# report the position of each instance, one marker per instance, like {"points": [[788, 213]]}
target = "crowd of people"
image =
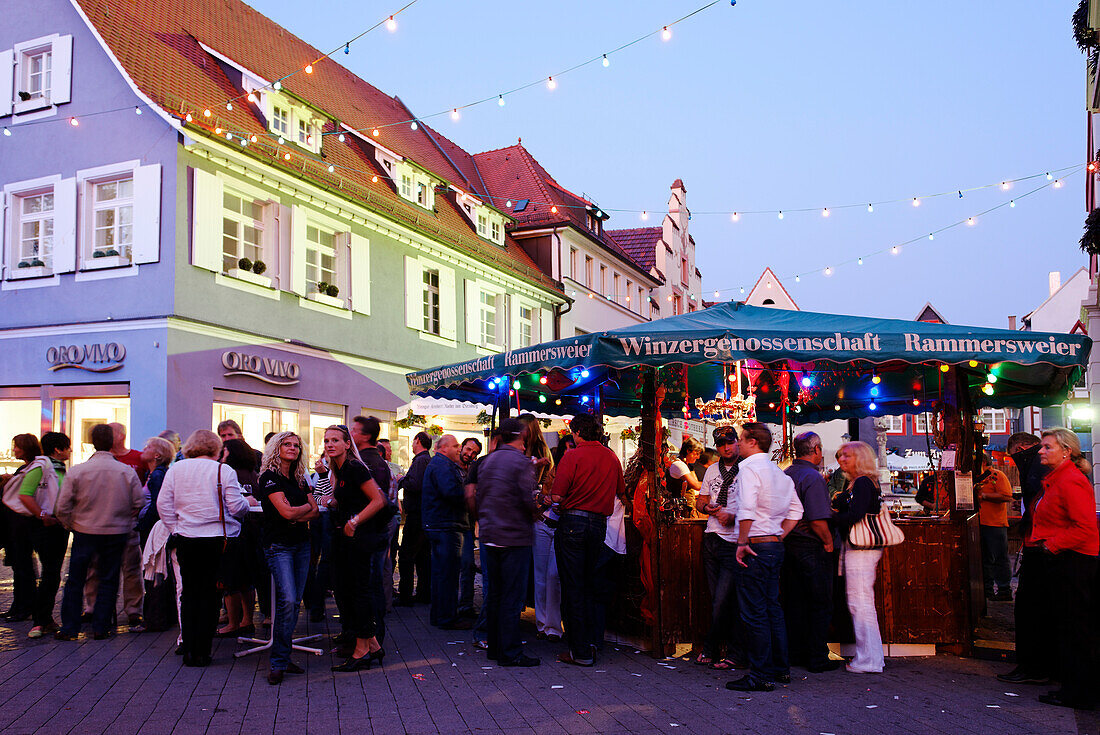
{"points": [[210, 524]]}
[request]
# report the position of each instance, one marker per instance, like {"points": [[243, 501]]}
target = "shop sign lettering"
{"points": [[267, 369], [95, 358]]}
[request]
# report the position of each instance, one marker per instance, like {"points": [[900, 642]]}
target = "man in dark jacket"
{"points": [[506, 516], [443, 504], [414, 555], [364, 431]]}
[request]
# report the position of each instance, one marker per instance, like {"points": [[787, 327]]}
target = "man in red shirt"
{"points": [[131, 457], [585, 486]]}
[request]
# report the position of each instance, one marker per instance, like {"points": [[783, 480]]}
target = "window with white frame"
{"points": [[431, 301], [406, 186], [280, 121], [677, 304], [574, 268], [603, 279], [34, 244], [482, 225], [320, 258], [37, 67], [495, 230], [994, 420], [894, 424], [305, 133], [112, 208], [42, 75], [422, 194], [616, 294], [526, 325], [922, 423], [242, 229], [488, 318], [588, 271], [641, 299]]}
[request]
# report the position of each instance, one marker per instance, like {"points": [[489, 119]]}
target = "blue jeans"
{"points": [[578, 542], [446, 557], [505, 571], [107, 550], [466, 573], [726, 636], [761, 613], [289, 566]]}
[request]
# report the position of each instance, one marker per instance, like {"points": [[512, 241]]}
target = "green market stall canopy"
{"points": [[811, 366]]}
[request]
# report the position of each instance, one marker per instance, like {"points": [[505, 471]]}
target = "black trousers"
{"points": [[415, 558], [577, 543], [506, 569], [352, 580], [807, 589], [1035, 646], [21, 559], [31, 536], [200, 598], [1070, 608]]}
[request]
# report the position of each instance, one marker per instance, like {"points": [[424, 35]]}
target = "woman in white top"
{"points": [[679, 477], [199, 502]]}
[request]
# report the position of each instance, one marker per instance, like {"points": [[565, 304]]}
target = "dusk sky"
{"points": [[774, 105]]}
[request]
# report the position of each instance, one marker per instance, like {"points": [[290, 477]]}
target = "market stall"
{"points": [[731, 363]]}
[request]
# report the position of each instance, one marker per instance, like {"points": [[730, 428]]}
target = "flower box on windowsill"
{"points": [[249, 276], [323, 298], [107, 261], [33, 271]]}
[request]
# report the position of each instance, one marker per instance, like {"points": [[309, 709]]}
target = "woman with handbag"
{"points": [[860, 499], [360, 516], [288, 506], [18, 523], [1064, 529], [200, 501]]}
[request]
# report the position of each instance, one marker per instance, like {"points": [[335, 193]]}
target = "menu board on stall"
{"points": [[964, 491], [947, 459]]}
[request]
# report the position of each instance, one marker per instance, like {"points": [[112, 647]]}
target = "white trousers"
{"points": [[859, 583], [547, 586]]}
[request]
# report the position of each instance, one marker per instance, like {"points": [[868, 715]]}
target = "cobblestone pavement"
{"points": [[436, 681]]}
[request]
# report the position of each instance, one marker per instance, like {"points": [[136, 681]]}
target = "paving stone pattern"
{"points": [[438, 682]]}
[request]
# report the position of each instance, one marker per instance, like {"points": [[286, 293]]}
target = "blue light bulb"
{"points": [[584, 373], [874, 391]]}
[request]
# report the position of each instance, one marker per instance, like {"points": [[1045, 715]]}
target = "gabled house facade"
{"points": [[184, 240]]}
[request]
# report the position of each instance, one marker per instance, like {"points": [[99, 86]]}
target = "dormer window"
{"points": [[293, 122], [593, 223], [421, 194], [495, 231], [305, 133], [406, 186], [482, 225], [280, 121]]}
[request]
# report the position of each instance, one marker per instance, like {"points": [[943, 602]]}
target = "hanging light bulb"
{"points": [[206, 112], [7, 133], [391, 24], [137, 110], [331, 168], [508, 204], [735, 217], [870, 208], [554, 209], [1049, 177], [836, 407], [872, 406], [277, 86], [340, 137], [189, 118], [715, 296], [895, 250], [454, 114], [780, 215], [1012, 202], [875, 391], [584, 373], [347, 48], [376, 132], [1057, 183], [413, 125], [825, 212], [991, 378], [931, 236], [606, 61], [253, 138], [218, 130], [970, 221], [281, 141], [229, 136], [944, 368], [374, 179], [286, 156], [742, 289], [876, 379], [309, 68], [972, 363], [666, 33], [859, 261], [550, 83], [645, 214], [500, 100], [229, 106], [74, 122], [916, 202], [244, 142], [828, 270], [987, 389], [798, 279], [916, 401], [309, 140], [1005, 186]]}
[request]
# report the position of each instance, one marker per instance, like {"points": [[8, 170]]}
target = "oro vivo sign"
{"points": [[95, 358], [268, 369]]}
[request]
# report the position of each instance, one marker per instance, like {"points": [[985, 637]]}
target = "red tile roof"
{"points": [[513, 174], [158, 42], [640, 243]]}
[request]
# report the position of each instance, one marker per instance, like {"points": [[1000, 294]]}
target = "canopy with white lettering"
{"points": [[829, 365]]}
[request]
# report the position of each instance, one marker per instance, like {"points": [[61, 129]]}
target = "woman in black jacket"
{"points": [[860, 497]]}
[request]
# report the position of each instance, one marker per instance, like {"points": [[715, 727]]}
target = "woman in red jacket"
{"points": [[1064, 527]]}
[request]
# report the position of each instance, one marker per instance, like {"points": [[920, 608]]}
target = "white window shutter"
{"points": [[206, 221], [298, 250], [545, 328], [359, 272], [447, 295], [513, 321], [146, 248], [502, 320], [473, 312], [61, 74], [64, 226], [7, 81], [414, 293]]}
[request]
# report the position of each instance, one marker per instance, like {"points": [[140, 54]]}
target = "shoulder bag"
{"points": [[875, 531]]}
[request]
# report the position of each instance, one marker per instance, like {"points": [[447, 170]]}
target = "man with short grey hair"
{"points": [[808, 568]]}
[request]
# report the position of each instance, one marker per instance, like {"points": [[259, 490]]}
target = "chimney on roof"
{"points": [[1055, 281], [1012, 323]]}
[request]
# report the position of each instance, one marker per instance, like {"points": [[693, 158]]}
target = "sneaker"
{"points": [[64, 636], [566, 657], [35, 632], [523, 661], [136, 623], [748, 683]]}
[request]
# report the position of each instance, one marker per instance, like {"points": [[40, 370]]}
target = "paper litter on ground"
{"points": [[557, 686]]}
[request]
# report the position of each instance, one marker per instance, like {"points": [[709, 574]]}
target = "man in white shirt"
{"points": [[767, 508], [716, 499]]}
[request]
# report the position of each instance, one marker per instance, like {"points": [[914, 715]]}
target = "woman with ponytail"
{"points": [[1064, 528]]}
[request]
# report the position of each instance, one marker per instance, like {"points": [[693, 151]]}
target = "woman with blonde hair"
{"points": [[287, 505], [860, 497], [546, 582], [200, 502], [1064, 528]]}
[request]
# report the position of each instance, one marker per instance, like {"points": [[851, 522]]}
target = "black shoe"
{"points": [[750, 684], [275, 677], [197, 661], [293, 668], [62, 635], [782, 679], [362, 663], [136, 623], [823, 667], [105, 635], [86, 618], [1022, 676], [523, 660], [1056, 699]]}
